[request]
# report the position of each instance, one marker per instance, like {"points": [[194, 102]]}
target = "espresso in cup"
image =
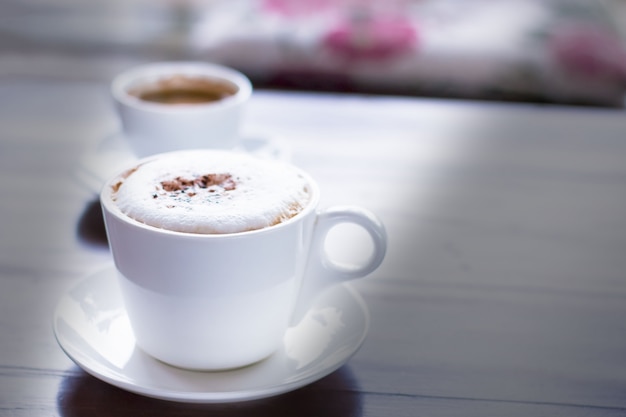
{"points": [[183, 89], [217, 253], [211, 192]]}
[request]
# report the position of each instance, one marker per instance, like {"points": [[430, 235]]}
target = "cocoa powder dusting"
{"points": [[203, 181]]}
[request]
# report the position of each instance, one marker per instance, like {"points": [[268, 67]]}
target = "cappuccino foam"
{"points": [[211, 192]]}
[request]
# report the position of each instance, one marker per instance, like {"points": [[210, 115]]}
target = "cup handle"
{"points": [[321, 271]]}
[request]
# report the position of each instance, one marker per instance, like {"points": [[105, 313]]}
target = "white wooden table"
{"points": [[503, 292]]}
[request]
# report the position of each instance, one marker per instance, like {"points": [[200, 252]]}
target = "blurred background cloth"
{"points": [[546, 51]]}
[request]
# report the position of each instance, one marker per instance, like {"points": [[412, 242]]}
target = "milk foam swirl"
{"points": [[207, 191]]}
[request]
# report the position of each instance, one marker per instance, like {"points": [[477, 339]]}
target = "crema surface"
{"points": [[211, 192]]}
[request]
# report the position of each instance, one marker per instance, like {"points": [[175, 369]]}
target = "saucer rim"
{"points": [[112, 376]]}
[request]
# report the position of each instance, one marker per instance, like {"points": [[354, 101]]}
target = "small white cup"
{"points": [[153, 127], [221, 301]]}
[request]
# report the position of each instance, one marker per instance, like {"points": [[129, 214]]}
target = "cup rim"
{"points": [[110, 207], [124, 79]]}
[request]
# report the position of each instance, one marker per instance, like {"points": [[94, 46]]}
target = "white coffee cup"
{"points": [[221, 301], [152, 127]]}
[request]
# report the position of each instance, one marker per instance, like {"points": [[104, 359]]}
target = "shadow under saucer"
{"points": [[337, 394], [90, 228]]}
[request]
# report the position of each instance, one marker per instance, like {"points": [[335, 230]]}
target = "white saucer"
{"points": [[91, 326], [113, 154]]}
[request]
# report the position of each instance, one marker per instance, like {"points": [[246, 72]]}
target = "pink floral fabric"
{"points": [[589, 51], [293, 8], [372, 38], [561, 51]]}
